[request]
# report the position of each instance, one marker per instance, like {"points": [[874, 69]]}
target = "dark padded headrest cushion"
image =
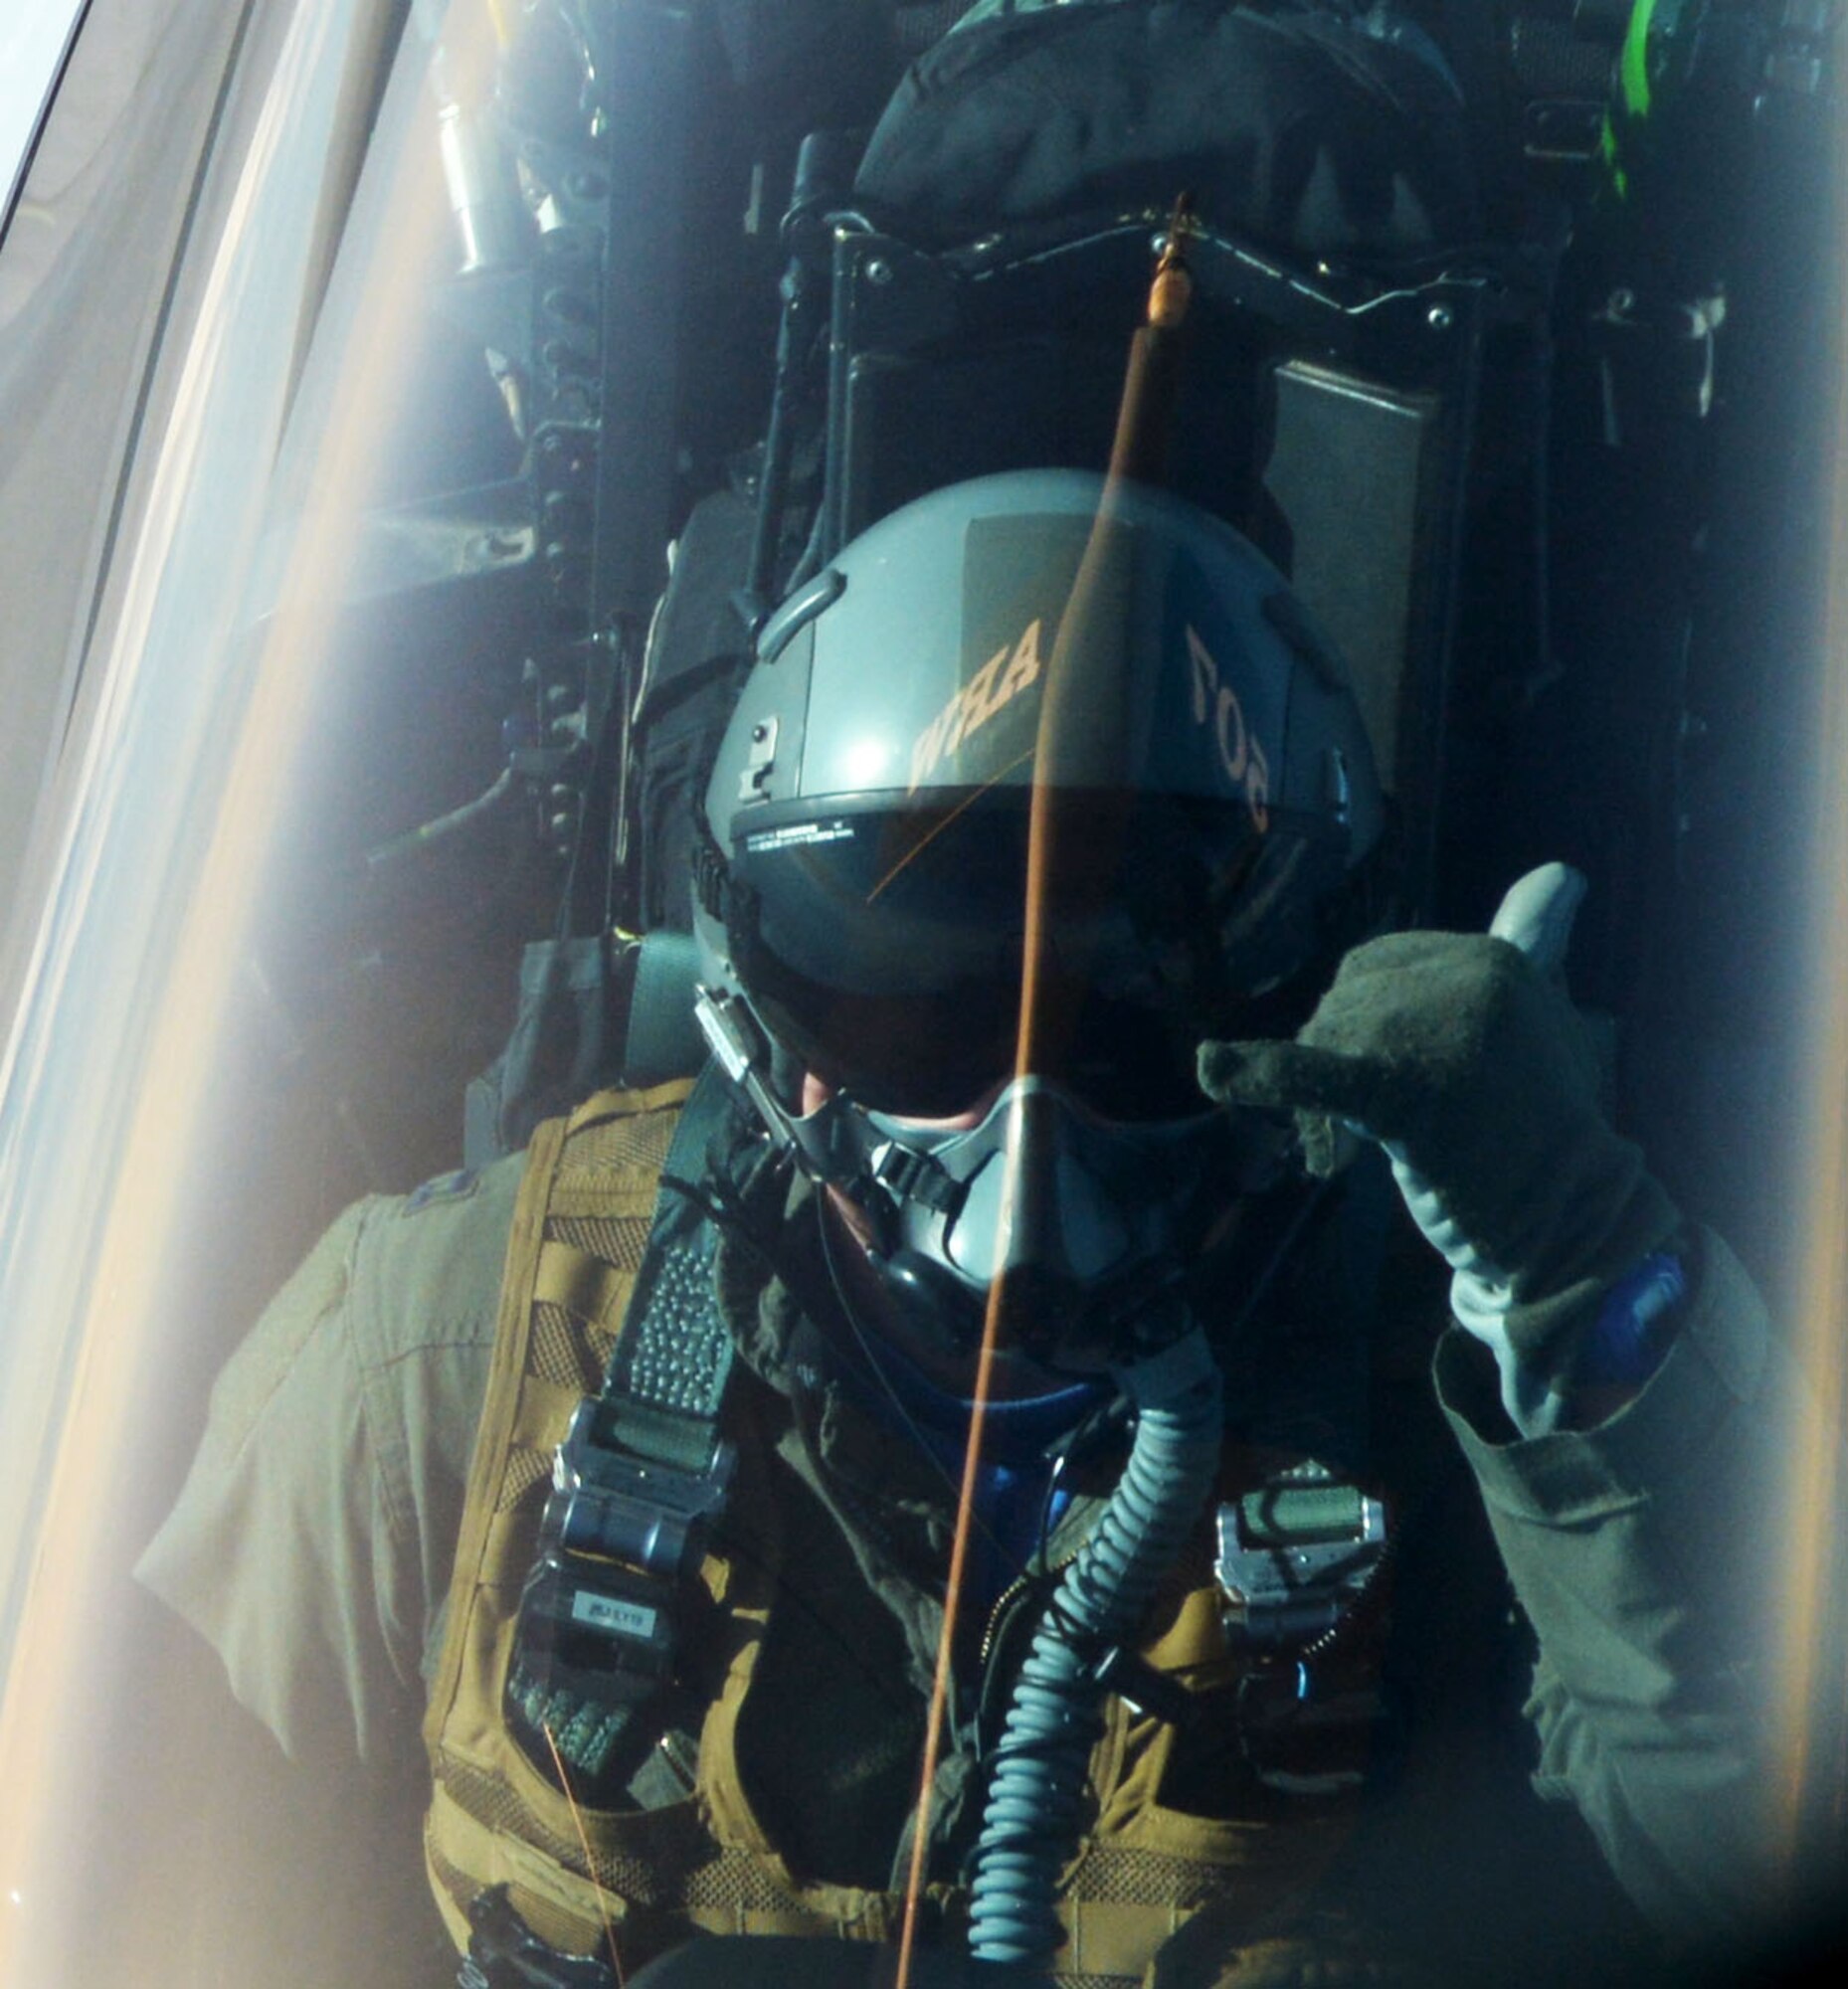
{"points": [[1300, 130]]}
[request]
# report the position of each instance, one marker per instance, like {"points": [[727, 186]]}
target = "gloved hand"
{"points": [[1462, 1056]]}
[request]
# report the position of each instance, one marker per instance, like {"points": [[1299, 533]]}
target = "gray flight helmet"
{"points": [[1037, 717]]}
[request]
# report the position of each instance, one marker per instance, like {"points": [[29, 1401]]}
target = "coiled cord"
{"points": [[1036, 1798]]}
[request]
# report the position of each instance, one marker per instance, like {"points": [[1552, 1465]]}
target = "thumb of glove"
{"points": [[1536, 913]]}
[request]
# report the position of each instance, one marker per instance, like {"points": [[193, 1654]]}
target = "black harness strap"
{"points": [[636, 1485]]}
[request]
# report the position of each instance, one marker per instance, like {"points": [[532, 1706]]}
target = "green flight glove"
{"points": [[1461, 1055]]}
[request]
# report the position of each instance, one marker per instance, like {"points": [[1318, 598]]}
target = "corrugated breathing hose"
{"points": [[1037, 1794]]}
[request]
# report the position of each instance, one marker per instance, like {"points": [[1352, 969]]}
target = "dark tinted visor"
{"points": [[885, 945]]}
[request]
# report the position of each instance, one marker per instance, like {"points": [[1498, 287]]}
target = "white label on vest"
{"points": [[604, 1612]]}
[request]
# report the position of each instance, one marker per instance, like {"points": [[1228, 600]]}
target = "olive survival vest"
{"points": [[647, 1878]]}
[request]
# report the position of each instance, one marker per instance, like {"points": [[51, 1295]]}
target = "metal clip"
{"points": [[760, 760], [610, 1504], [910, 1176], [1295, 1556]]}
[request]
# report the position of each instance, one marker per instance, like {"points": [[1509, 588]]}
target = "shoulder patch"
{"points": [[454, 1186]]}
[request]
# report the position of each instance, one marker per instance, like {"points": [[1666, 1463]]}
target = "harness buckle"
{"points": [[1296, 1555], [611, 1503]]}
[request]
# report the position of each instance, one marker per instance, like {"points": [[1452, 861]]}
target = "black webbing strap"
{"points": [[666, 1378], [637, 1482]]}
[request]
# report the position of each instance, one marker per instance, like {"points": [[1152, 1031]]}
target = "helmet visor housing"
{"points": [[1029, 660], [884, 943], [1041, 784]]}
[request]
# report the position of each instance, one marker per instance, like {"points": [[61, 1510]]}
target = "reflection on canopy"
{"points": [[317, 618]]}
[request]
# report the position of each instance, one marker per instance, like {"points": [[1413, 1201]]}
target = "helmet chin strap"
{"points": [[820, 1142], [833, 1144]]}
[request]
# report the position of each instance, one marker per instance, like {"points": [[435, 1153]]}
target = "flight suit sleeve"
{"points": [[1646, 1554], [312, 1543]]}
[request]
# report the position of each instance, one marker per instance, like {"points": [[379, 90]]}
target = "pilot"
{"points": [[638, 1459]]}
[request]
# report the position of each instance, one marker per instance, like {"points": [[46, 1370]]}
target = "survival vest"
{"points": [[647, 1878]]}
